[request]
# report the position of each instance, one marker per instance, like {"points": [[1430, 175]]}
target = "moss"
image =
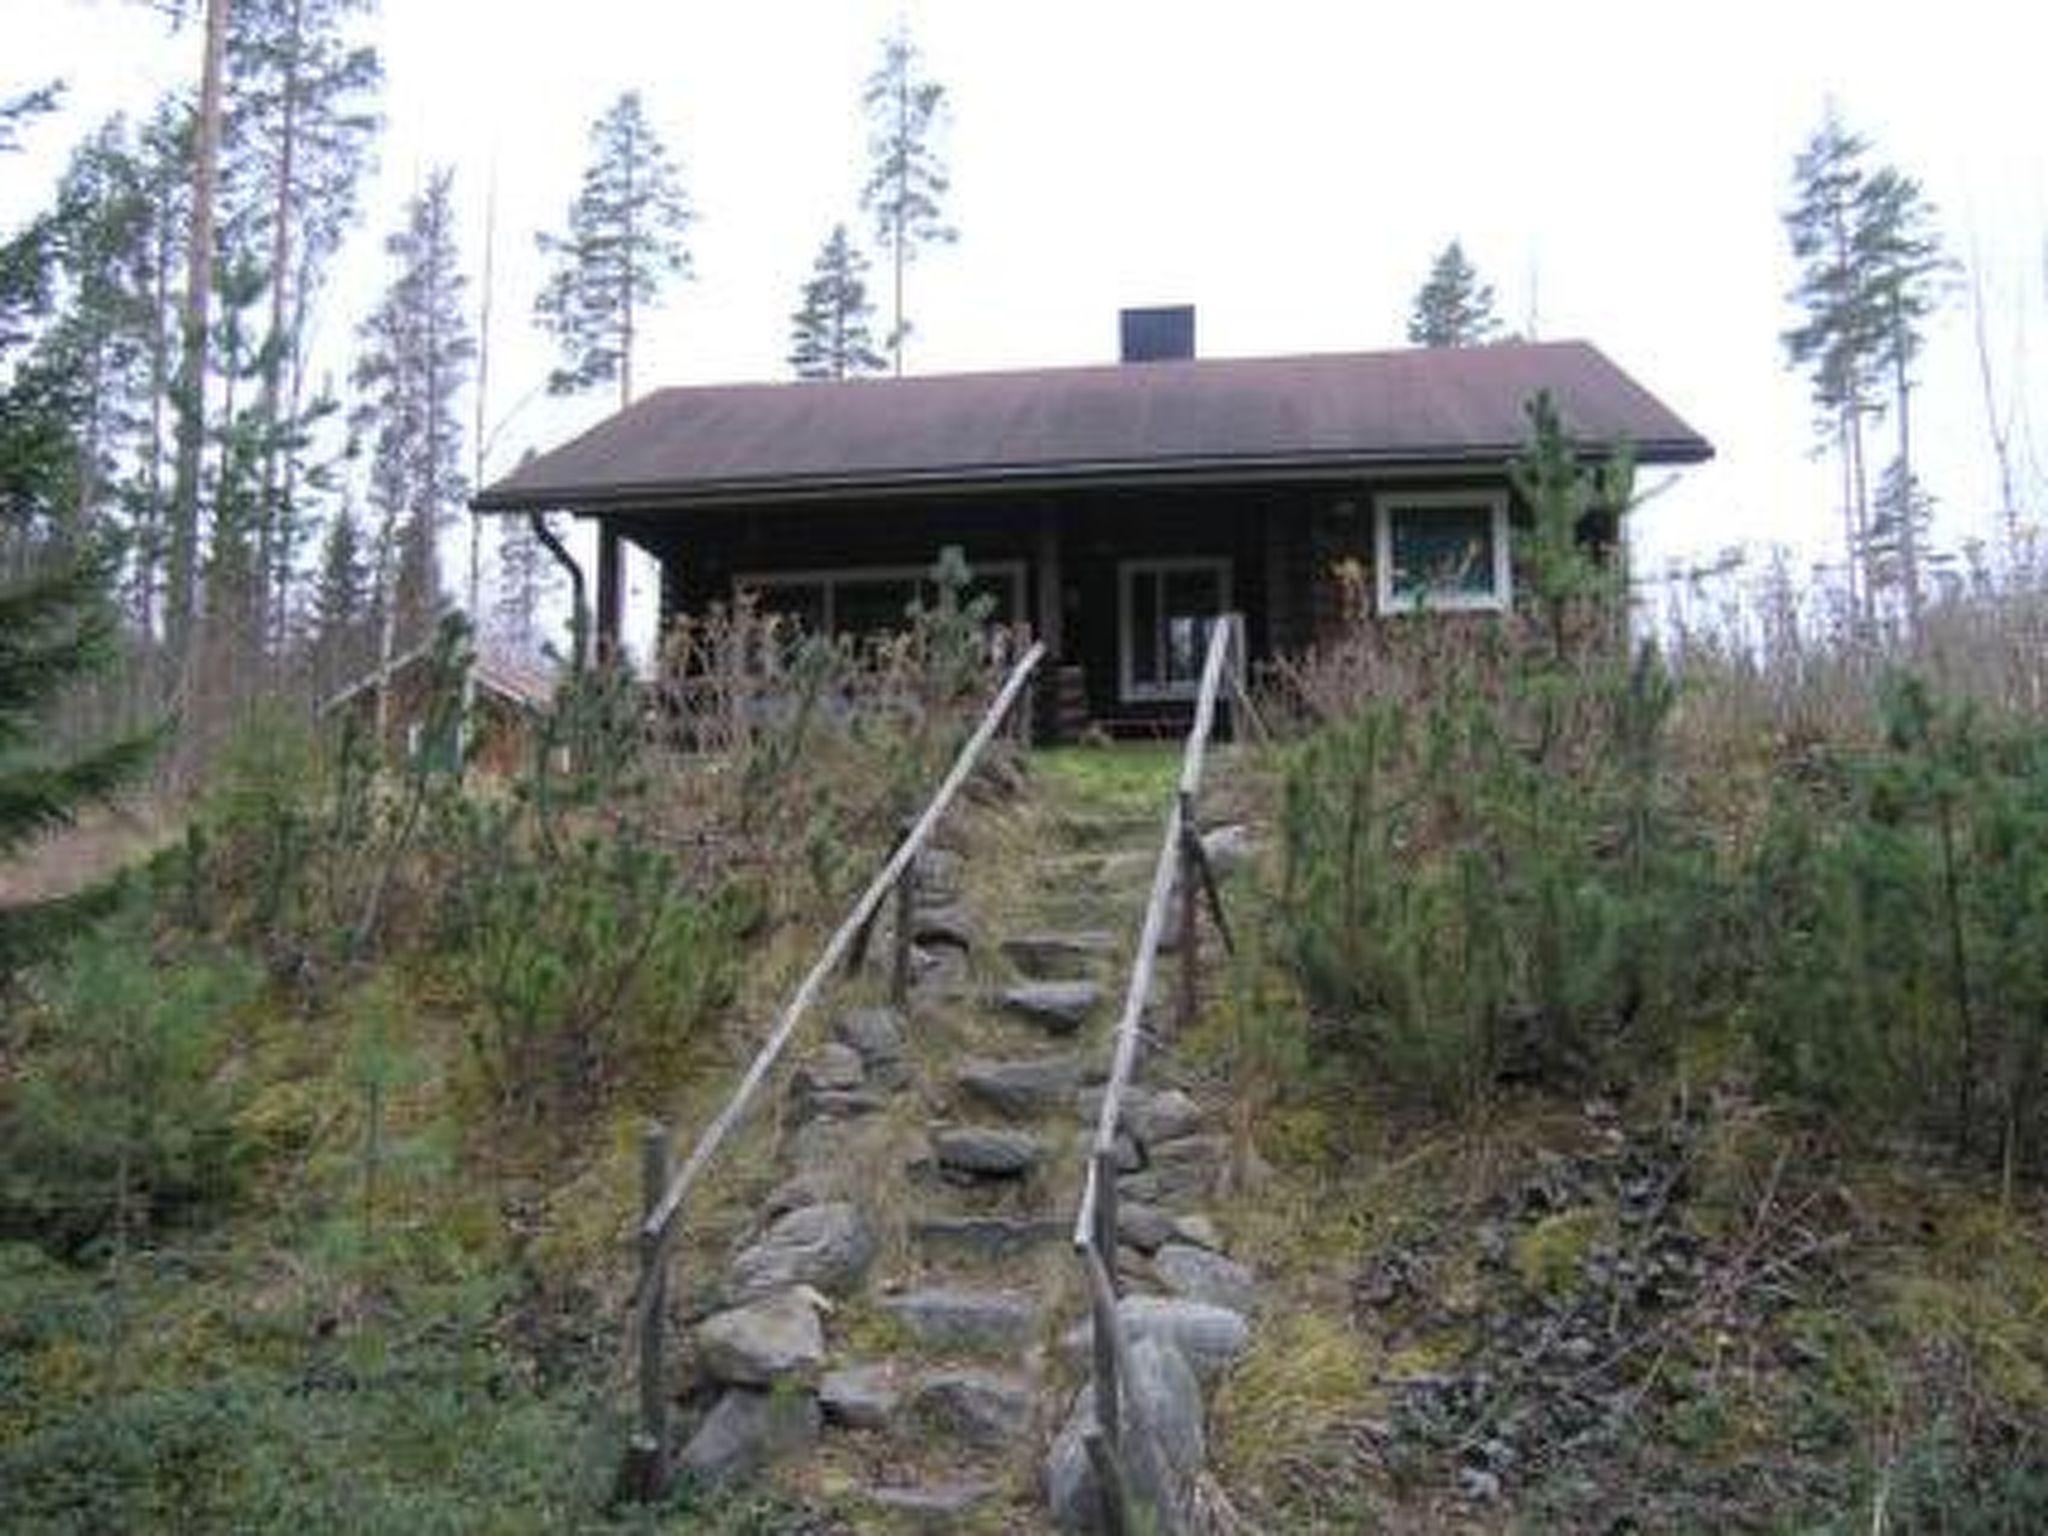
{"points": [[1549, 1254]]}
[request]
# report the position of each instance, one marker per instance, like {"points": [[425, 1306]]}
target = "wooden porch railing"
{"points": [[646, 1471], [1182, 865]]}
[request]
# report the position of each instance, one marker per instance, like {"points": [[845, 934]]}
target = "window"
{"points": [[863, 600], [1441, 549], [1167, 607]]}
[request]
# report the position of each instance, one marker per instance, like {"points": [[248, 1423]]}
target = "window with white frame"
{"points": [[1165, 609], [1441, 550]]}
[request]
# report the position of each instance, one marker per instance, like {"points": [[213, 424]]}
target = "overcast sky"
{"points": [[1616, 170]]}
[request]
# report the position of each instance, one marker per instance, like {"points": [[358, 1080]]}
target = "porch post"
{"points": [[1050, 579], [610, 589]]}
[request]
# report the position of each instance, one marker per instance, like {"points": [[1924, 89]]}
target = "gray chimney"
{"points": [[1162, 334]]}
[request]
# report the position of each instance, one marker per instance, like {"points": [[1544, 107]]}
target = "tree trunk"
{"points": [[183, 617], [269, 511]]}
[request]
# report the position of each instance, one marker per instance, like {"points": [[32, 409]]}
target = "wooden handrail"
{"points": [[660, 1222], [1146, 957], [644, 1475]]}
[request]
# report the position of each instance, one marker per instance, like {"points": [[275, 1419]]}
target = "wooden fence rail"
{"points": [[1182, 865], [646, 1471]]}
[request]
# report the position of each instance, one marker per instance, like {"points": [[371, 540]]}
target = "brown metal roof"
{"points": [[1122, 422]]}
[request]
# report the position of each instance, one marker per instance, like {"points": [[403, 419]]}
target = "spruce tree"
{"points": [[341, 606], [829, 336], [56, 624], [907, 180], [624, 243], [528, 578], [1453, 308]]}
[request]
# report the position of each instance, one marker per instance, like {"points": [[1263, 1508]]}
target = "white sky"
{"points": [[1288, 167]]}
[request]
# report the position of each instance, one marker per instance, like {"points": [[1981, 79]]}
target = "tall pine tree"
{"points": [[624, 243], [829, 336], [1453, 308], [907, 180], [1870, 266], [416, 352]]}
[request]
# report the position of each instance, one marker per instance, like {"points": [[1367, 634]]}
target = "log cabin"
{"points": [[1115, 509]]}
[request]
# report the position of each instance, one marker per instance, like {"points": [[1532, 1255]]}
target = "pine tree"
{"points": [[1869, 265], [415, 357], [300, 121], [907, 180], [829, 337], [625, 241], [1452, 307]]}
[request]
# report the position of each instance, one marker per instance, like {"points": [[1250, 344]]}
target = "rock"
{"points": [[812, 1186], [1164, 1400], [937, 875], [1189, 1167], [1142, 1187], [1229, 848], [986, 1151], [940, 969], [1144, 1227], [837, 1148], [1162, 1116], [1060, 1007], [989, 1237], [747, 1429], [832, 1066], [949, 1317], [1123, 1151], [1059, 956], [1478, 1485], [984, 1408], [1200, 1275], [760, 1343], [875, 1033], [828, 1245], [1209, 1336], [941, 928], [860, 1396], [1199, 1230], [940, 1503], [1022, 1087], [842, 1104]]}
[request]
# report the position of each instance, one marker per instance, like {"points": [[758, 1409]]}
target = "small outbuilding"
{"points": [[505, 700]]}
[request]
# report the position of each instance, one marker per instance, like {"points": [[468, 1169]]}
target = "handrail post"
{"points": [[1104, 1237], [646, 1470], [906, 918], [1114, 1496], [1190, 859]]}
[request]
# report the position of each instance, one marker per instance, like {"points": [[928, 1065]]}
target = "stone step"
{"points": [[1032, 1086], [966, 1318], [1058, 1007], [938, 1506], [1060, 956], [987, 1237], [986, 1151], [984, 1408]]}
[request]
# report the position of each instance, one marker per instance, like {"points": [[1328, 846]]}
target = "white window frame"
{"points": [[1388, 505], [829, 578], [1129, 689]]}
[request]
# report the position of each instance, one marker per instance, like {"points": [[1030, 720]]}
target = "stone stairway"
{"points": [[905, 1331]]}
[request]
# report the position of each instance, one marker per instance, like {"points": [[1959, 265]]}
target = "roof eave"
{"points": [[983, 478]]}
